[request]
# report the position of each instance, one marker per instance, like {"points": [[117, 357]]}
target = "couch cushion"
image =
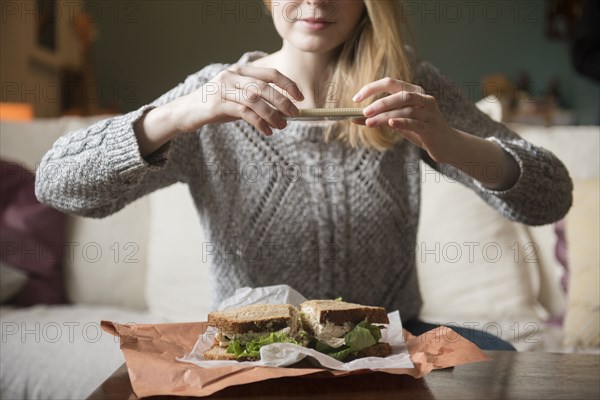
{"points": [[179, 286], [472, 263], [582, 322], [59, 352], [578, 147], [105, 260]]}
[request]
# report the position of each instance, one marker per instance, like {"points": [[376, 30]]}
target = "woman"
{"points": [[330, 210]]}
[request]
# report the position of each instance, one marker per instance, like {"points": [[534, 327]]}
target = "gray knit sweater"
{"points": [[326, 219]]}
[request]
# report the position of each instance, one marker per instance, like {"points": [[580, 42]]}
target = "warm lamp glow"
{"points": [[16, 112]]}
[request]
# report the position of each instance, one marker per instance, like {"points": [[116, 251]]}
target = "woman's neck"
{"points": [[311, 71]]}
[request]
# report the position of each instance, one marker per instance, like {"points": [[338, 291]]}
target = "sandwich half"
{"points": [[345, 331], [241, 332]]}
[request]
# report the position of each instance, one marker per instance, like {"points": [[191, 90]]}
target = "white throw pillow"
{"points": [[106, 258], [178, 286], [472, 263]]}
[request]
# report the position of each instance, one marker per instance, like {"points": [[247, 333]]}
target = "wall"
{"points": [[468, 40], [29, 73], [146, 47]]}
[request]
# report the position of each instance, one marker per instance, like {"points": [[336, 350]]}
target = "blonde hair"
{"points": [[375, 50]]}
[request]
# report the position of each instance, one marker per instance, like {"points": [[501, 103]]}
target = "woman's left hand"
{"points": [[410, 111]]}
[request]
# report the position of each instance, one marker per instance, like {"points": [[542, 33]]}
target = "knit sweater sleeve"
{"points": [[543, 191], [96, 171]]}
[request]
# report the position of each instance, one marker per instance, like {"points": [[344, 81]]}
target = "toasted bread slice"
{"points": [[255, 318], [340, 312], [220, 353], [380, 349]]}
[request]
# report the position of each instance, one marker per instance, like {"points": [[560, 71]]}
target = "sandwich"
{"points": [[241, 332], [343, 330]]}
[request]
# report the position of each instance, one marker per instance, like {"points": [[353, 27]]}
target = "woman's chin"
{"points": [[314, 46]]}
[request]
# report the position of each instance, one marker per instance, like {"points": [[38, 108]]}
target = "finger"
{"points": [[385, 85], [249, 87], [359, 121], [269, 75], [410, 124], [406, 112], [411, 136], [258, 105], [248, 115], [396, 101], [274, 97]]}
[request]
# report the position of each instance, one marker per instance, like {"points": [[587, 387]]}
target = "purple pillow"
{"points": [[561, 252], [32, 237]]}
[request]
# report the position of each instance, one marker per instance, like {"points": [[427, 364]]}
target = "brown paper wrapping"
{"points": [[150, 352]]}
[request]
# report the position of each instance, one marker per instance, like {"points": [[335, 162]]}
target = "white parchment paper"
{"points": [[285, 354]]}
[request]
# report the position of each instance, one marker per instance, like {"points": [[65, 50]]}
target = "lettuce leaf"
{"points": [[252, 348], [359, 338], [341, 354], [362, 336], [374, 329]]}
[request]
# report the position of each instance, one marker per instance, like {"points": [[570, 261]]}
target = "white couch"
{"points": [[145, 264]]}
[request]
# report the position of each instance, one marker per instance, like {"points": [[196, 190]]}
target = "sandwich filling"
{"points": [[327, 333], [340, 341], [224, 338]]}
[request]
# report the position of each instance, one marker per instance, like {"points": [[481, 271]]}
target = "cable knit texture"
{"points": [[327, 219]]}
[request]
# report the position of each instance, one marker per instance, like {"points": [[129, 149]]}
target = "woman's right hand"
{"points": [[239, 92]]}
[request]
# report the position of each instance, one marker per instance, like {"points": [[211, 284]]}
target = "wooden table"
{"points": [[510, 375]]}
